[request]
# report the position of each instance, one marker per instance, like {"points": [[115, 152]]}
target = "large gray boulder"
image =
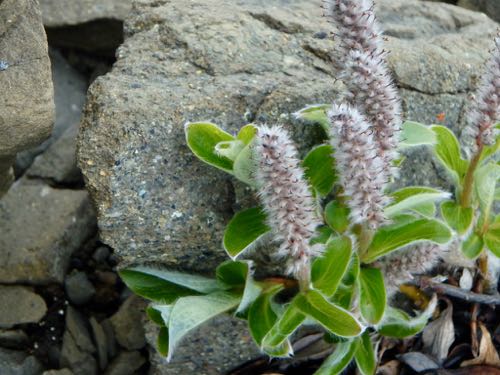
{"points": [[231, 63], [26, 98]]}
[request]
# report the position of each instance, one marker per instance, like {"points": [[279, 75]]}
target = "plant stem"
{"points": [[469, 179], [305, 278]]}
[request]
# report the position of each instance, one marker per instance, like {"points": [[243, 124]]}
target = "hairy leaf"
{"points": [[316, 114], [397, 323], [319, 167], [337, 216], [414, 198], [244, 230], [416, 134], [328, 270], [190, 312], [334, 318], [447, 151], [365, 355], [457, 217], [339, 359], [372, 297], [202, 137], [393, 237]]}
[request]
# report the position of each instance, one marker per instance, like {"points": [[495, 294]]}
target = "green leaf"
{"points": [[165, 311], [337, 216], [244, 229], [416, 134], [162, 341], [365, 355], [485, 180], [395, 236], [412, 198], [155, 315], [319, 167], [165, 286], [497, 194], [316, 114], [334, 318], [456, 216], [261, 316], [372, 298], [328, 270], [447, 151], [286, 324], [202, 137], [251, 291], [244, 166], [232, 273], [247, 133], [472, 246], [397, 323], [323, 235], [190, 312], [492, 238], [229, 149], [339, 359]]}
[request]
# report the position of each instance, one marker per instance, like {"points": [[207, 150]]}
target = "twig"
{"points": [[459, 293]]}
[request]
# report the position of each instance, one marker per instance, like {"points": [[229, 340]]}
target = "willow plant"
{"points": [[344, 241]]}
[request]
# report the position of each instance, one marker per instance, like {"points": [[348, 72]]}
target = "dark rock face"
{"points": [[25, 77], [231, 63]]}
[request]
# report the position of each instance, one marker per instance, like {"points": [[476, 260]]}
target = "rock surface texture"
{"points": [[490, 7], [99, 21], [232, 63], [25, 77]]}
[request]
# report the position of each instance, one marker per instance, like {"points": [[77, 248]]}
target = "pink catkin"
{"points": [[484, 112], [363, 69], [399, 267], [359, 165], [286, 197]]}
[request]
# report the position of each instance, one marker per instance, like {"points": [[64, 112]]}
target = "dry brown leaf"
{"points": [[488, 355], [389, 368], [439, 335]]}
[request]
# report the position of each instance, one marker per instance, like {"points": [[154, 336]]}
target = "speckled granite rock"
{"points": [[490, 7], [230, 63], [26, 98], [41, 227]]}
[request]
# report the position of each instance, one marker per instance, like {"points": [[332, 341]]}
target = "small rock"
{"points": [[39, 235], [101, 254], [126, 363], [20, 305], [101, 341], [490, 7], [58, 162], [127, 323], [63, 371], [18, 363], [13, 339], [78, 288], [110, 338], [77, 347]]}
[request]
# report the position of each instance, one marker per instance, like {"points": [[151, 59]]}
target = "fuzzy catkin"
{"points": [[286, 198], [359, 165], [484, 112], [363, 69], [400, 266]]}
